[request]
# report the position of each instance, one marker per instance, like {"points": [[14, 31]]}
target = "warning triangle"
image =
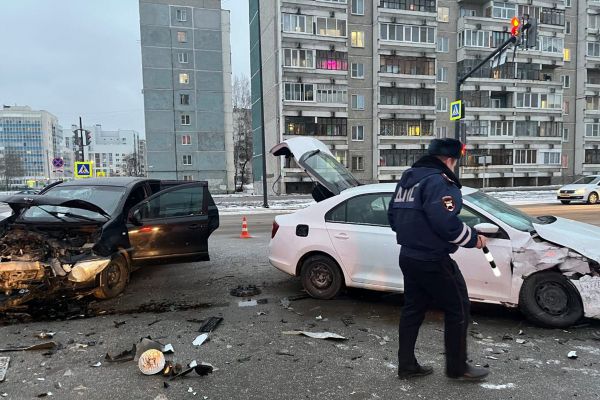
{"points": [[83, 170]]}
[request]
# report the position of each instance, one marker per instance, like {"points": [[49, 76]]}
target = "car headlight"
{"points": [[580, 191], [85, 271]]}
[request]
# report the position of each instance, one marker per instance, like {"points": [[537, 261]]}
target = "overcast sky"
{"points": [[83, 58]]}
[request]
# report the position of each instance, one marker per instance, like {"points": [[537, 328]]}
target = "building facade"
{"points": [[34, 138], [186, 64], [375, 80]]}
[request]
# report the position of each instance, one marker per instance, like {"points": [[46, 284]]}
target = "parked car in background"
{"points": [[86, 236], [549, 266], [586, 189]]}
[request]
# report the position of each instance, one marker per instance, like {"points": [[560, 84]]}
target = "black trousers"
{"points": [[440, 284]]}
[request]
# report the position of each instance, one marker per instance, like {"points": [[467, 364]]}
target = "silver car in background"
{"points": [[586, 189]]}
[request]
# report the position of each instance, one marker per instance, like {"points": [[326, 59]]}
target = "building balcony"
{"points": [[509, 85], [548, 59], [312, 4], [306, 38], [407, 49], [312, 72], [407, 81]]}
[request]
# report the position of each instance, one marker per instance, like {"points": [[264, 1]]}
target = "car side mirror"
{"points": [[135, 217], [488, 230]]}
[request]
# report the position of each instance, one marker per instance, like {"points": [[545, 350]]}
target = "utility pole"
{"points": [[262, 115]]}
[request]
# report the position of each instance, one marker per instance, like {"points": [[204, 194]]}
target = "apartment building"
{"points": [[375, 79], [186, 61]]}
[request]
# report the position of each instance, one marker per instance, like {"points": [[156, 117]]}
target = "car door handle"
{"points": [[342, 236], [194, 226]]}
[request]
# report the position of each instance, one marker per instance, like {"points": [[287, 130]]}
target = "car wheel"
{"points": [[113, 279], [550, 300], [593, 198], [321, 277], [565, 201]]}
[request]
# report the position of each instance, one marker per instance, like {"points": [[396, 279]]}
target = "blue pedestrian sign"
{"points": [[456, 110], [84, 169]]}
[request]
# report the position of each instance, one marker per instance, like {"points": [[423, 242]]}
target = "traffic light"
{"points": [[88, 137], [516, 25]]}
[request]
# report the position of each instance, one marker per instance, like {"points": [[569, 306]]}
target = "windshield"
{"points": [[105, 197], [505, 213], [586, 180], [329, 171]]}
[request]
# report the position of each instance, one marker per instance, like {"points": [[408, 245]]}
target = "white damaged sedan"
{"points": [[549, 266]]}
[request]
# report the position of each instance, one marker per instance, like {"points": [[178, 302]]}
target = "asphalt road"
{"points": [[255, 360]]}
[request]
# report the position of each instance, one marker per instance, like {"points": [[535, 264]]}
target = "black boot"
{"points": [[471, 374], [414, 372]]}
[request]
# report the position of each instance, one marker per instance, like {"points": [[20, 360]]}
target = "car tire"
{"points": [[113, 279], [565, 201], [592, 198], [321, 277], [549, 299]]}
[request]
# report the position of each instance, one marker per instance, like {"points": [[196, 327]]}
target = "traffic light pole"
{"points": [[462, 80]]}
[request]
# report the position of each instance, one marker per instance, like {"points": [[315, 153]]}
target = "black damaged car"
{"points": [[85, 237]]}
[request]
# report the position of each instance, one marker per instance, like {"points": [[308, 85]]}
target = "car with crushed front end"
{"points": [[586, 189], [85, 237], [549, 266]]}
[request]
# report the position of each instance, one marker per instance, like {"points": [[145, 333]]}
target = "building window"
{"points": [[442, 104], [407, 33], [443, 44], [400, 157], [183, 58], [472, 38], [181, 15], [358, 70], [358, 39], [184, 99], [443, 14], [188, 177], [503, 10], [539, 100], [441, 132], [295, 23], [405, 127], [358, 163], [566, 107], [187, 159], [358, 102], [567, 3], [592, 130], [566, 81], [406, 97], [298, 92], [358, 7], [341, 156], [525, 157], [358, 133], [307, 126], [331, 27], [592, 156], [407, 65], [332, 60], [412, 5], [552, 16], [186, 140], [551, 44], [566, 55], [336, 94], [501, 128], [442, 74], [185, 119], [299, 58], [568, 27], [566, 134], [549, 157], [184, 79], [181, 37]]}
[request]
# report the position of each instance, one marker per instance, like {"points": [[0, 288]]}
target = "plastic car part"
{"points": [[210, 324], [245, 291], [549, 299]]}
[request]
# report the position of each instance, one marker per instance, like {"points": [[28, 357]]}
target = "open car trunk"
{"points": [[314, 157]]}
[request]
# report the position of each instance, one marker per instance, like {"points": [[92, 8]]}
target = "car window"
{"points": [[471, 218], [176, 203], [364, 210], [136, 196], [586, 180], [505, 213]]}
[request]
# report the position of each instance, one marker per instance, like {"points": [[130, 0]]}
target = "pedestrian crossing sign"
{"points": [[456, 110], [84, 169]]}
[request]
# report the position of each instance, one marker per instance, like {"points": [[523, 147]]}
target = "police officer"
{"points": [[424, 214]]}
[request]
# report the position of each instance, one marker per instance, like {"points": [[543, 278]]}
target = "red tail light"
{"points": [[275, 229]]}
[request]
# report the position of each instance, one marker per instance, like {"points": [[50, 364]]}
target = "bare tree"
{"points": [[11, 167], [130, 165], [242, 130]]}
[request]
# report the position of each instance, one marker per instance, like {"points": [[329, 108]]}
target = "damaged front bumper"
{"points": [[23, 281]]}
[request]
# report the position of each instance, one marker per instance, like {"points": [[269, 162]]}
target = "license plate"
{"points": [[3, 367]]}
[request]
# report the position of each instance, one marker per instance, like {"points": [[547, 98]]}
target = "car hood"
{"points": [[578, 236], [314, 157], [20, 202], [575, 186]]}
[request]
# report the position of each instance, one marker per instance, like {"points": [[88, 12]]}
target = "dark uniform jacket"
{"points": [[424, 212]]}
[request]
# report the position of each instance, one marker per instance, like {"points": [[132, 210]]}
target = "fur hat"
{"points": [[445, 147]]}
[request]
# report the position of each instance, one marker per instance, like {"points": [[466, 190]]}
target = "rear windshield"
{"points": [[329, 171]]}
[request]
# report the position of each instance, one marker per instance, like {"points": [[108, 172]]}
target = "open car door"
{"points": [[314, 157], [172, 223]]}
